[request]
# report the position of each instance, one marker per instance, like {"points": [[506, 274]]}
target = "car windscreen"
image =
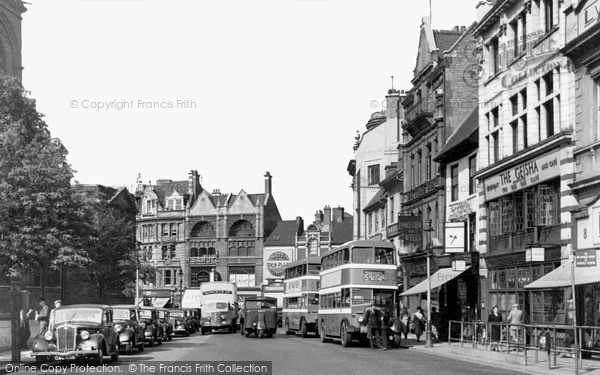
{"points": [[146, 314], [78, 315], [122, 314], [177, 314]]}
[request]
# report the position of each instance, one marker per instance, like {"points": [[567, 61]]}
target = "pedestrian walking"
{"points": [[373, 319], [419, 322], [514, 317], [385, 326], [495, 319], [436, 323], [405, 320], [42, 316], [57, 304]]}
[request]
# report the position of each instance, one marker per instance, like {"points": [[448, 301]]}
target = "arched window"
{"points": [[250, 250], [312, 247], [233, 251], [194, 252], [242, 252], [212, 252], [241, 228], [203, 229], [203, 252]]}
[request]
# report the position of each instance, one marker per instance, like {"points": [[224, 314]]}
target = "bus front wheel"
{"points": [[323, 337], [345, 335]]}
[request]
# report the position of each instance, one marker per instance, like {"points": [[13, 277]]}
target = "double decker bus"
{"points": [[301, 296], [351, 277]]}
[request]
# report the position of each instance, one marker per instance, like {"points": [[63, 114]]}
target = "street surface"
{"points": [[294, 355]]}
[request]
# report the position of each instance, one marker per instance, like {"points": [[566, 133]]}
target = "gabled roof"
{"points": [[445, 39], [463, 136], [375, 202], [284, 234]]}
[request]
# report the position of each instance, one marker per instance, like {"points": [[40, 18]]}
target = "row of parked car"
{"points": [[94, 331]]}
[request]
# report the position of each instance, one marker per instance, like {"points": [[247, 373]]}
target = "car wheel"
{"points": [[129, 350], [344, 335], [140, 346], [159, 340], [323, 336], [261, 333], [98, 358], [303, 329], [151, 342], [247, 334]]}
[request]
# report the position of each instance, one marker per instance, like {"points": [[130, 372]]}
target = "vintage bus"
{"points": [[301, 296], [352, 276]]}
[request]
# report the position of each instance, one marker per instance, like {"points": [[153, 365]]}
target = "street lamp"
{"points": [[428, 229], [180, 275]]}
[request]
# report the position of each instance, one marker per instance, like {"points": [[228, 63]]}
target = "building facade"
{"points": [[192, 236], [438, 103], [583, 48], [525, 161], [375, 159], [11, 12]]}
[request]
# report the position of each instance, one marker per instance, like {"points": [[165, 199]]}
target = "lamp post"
{"points": [[180, 275], [428, 229]]}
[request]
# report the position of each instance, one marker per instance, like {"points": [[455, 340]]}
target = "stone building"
{"points": [[441, 99], [10, 37], [375, 160], [525, 161], [192, 236]]}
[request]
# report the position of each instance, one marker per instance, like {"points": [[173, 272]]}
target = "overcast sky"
{"points": [[279, 86]]}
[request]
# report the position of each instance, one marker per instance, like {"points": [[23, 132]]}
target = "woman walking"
{"points": [[405, 319], [419, 321], [495, 319]]}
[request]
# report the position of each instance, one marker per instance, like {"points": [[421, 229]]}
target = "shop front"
{"points": [[525, 218]]}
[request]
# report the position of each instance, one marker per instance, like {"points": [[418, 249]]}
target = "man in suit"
{"points": [[514, 317], [373, 319]]}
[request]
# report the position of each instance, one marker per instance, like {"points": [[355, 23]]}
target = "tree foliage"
{"points": [[39, 214]]}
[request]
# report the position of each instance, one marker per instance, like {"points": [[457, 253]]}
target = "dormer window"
{"points": [[149, 206]]}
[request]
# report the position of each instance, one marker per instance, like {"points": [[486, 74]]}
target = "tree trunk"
{"points": [[42, 283]]}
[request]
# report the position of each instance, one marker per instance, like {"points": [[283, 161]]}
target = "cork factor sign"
{"points": [[522, 176], [275, 262]]}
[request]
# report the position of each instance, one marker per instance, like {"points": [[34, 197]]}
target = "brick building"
{"points": [[525, 162], [442, 97], [193, 236]]}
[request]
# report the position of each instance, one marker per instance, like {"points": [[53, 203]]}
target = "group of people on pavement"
{"points": [[514, 318], [42, 316]]}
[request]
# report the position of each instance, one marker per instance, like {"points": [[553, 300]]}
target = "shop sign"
{"points": [[580, 21], [204, 260], [459, 265], [585, 258], [275, 263], [535, 254], [273, 288], [410, 230], [524, 175]]}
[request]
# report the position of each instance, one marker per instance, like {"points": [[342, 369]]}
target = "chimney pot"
{"points": [[268, 183]]}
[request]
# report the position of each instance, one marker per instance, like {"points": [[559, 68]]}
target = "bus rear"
{"points": [[353, 276]]}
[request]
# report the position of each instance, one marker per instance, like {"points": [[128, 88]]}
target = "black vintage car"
{"points": [[153, 330], [79, 331], [127, 325], [164, 318], [180, 325]]}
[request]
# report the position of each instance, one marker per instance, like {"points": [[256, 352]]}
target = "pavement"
{"points": [[513, 360]]}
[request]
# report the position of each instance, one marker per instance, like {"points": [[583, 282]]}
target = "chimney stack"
{"points": [[299, 226], [318, 217], [268, 185], [216, 192], [194, 187], [327, 216], [338, 214]]}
